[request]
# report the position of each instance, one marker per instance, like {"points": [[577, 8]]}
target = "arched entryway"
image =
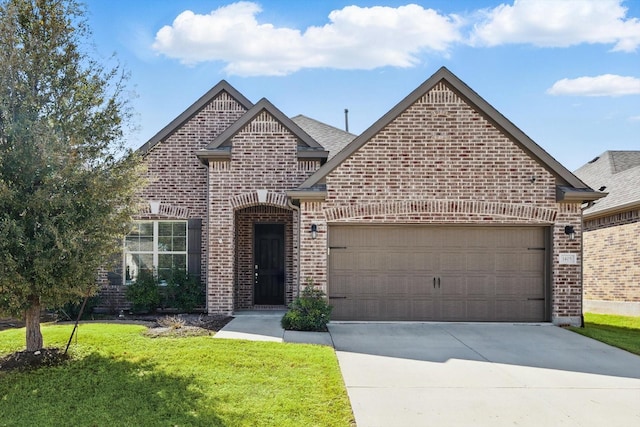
{"points": [[264, 273]]}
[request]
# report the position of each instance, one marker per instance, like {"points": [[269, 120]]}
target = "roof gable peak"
{"points": [[193, 109], [476, 102], [264, 105]]}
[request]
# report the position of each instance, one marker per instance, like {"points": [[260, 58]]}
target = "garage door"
{"points": [[437, 273]]}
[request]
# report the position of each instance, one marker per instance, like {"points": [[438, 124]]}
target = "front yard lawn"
{"points": [[117, 376], [619, 331]]}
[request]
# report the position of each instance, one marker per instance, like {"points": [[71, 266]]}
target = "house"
{"points": [[441, 210], [612, 234]]}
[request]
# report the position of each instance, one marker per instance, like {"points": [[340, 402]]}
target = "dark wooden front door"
{"points": [[269, 264]]}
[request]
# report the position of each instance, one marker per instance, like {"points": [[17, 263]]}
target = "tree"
{"points": [[67, 183]]}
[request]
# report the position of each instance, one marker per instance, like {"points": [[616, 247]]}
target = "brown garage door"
{"points": [[437, 273]]}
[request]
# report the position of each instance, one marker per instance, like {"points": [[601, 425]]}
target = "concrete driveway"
{"points": [[453, 374]]}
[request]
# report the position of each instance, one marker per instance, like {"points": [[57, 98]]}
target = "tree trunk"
{"points": [[32, 319]]}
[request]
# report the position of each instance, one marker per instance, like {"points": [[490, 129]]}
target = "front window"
{"points": [[155, 245]]}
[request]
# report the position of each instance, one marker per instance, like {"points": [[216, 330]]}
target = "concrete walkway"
{"points": [[265, 326], [455, 374]]}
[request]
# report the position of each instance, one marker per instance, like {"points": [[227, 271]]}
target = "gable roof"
{"points": [[330, 137], [619, 173], [205, 99], [482, 107], [307, 146]]}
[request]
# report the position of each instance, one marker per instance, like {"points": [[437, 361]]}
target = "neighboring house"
{"points": [[612, 234], [441, 210]]}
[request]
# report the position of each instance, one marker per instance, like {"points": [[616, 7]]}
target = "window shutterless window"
{"points": [[155, 245]]}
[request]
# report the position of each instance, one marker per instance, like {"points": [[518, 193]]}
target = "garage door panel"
{"points": [[345, 260], [525, 286], [480, 286], [480, 310], [526, 311], [483, 261], [483, 273], [451, 260], [453, 310], [452, 286], [531, 261]]}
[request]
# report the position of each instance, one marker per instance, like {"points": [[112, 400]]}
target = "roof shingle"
{"points": [[331, 138], [619, 173]]}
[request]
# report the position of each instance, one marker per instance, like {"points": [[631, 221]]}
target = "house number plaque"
{"points": [[568, 258]]}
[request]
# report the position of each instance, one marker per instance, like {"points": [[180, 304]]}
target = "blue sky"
{"points": [[566, 72]]}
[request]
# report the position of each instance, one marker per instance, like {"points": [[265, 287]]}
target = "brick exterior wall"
{"points": [[612, 260], [246, 219], [178, 179], [441, 162], [263, 157], [438, 162], [566, 287]]}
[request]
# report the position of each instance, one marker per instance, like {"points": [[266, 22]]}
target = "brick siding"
{"points": [[178, 179], [438, 162], [441, 162], [612, 259], [263, 157]]}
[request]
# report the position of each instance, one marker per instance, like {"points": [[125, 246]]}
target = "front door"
{"points": [[269, 276]]}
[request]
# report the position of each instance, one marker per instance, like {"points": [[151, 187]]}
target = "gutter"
{"points": [[612, 210]]}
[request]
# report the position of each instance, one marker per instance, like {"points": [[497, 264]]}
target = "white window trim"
{"points": [[155, 252]]}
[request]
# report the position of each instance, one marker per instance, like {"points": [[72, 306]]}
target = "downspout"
{"points": [[297, 210], [582, 263], [206, 242]]}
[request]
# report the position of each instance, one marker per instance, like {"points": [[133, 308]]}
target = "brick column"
{"points": [[567, 278]]}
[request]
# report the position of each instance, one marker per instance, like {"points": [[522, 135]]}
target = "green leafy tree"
{"points": [[67, 183]]}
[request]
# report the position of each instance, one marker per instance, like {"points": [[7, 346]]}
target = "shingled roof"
{"points": [[331, 138], [617, 173]]}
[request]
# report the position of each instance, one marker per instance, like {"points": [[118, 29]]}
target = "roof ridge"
{"points": [[622, 160], [324, 124]]}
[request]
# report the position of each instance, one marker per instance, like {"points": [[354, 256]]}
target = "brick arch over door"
{"points": [[473, 208]]}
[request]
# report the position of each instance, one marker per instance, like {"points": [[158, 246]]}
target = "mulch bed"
{"points": [[26, 360], [177, 326]]}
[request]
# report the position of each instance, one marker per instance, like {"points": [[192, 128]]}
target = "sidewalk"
{"points": [[265, 326]]}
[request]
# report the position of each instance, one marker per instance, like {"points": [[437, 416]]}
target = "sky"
{"points": [[566, 72]]}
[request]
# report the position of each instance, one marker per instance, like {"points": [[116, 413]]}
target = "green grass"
{"points": [[120, 377], [619, 331]]}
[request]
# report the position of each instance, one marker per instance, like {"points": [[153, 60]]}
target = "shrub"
{"points": [[309, 312], [184, 292], [181, 291], [143, 293]]}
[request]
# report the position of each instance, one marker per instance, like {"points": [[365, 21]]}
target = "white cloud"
{"points": [[558, 24], [369, 37], [634, 119], [355, 38], [604, 85]]}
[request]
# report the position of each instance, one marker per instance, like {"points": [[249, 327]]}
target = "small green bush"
{"points": [[181, 291], [309, 312], [143, 293], [184, 292]]}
